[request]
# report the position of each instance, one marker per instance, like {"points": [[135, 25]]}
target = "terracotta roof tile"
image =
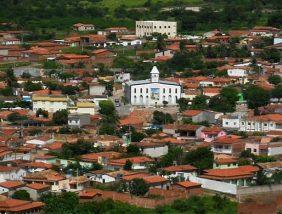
{"points": [[11, 184], [188, 184]]}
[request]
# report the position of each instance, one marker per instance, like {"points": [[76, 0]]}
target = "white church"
{"points": [[152, 92]]}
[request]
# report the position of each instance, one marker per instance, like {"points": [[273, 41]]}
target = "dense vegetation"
{"points": [[46, 18], [69, 203]]}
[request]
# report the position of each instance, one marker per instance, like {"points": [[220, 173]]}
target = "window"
{"points": [[265, 124], [160, 27], [255, 150], [141, 90], [134, 90], [170, 90], [249, 123], [163, 90], [243, 123], [168, 26], [226, 123], [176, 90], [234, 123], [147, 90]]}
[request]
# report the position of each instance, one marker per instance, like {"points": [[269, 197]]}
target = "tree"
{"points": [[69, 90], [60, 117], [160, 42], [30, 86], [231, 95], [127, 165], [66, 202], [21, 195], [42, 113], [15, 117], [174, 155], [137, 136], [112, 37], [262, 179], [71, 150], [274, 79], [271, 54], [138, 187], [225, 101], [277, 92], [202, 158], [107, 107], [220, 104], [199, 102], [26, 75], [256, 96], [109, 121], [183, 104], [10, 78], [8, 91], [133, 150], [162, 118]]}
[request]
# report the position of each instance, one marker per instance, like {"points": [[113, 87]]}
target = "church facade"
{"points": [[152, 92]]}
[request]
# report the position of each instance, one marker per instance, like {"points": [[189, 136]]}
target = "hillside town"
{"points": [[145, 117]]}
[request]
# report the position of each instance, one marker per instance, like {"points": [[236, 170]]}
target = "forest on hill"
{"points": [[48, 17]]}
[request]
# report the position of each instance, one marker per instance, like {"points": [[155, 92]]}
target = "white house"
{"points": [[237, 72], [152, 91], [153, 150], [83, 27], [11, 173], [40, 142], [182, 172], [49, 103], [96, 88], [261, 123], [231, 122], [101, 176], [83, 108], [147, 28], [129, 40]]}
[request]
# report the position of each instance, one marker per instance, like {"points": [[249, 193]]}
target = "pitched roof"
{"points": [[93, 157], [231, 173], [11, 184], [38, 186], [229, 139], [88, 194], [155, 179], [188, 184], [180, 168], [191, 113], [15, 205], [132, 176], [134, 160]]}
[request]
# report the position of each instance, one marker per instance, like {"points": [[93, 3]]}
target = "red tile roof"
{"points": [[229, 139], [88, 194], [231, 173], [11, 184], [135, 175], [188, 184], [180, 168], [155, 179], [134, 160], [93, 157], [14, 205], [191, 113], [38, 186]]}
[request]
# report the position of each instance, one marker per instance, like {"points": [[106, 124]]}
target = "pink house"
{"points": [[211, 133]]}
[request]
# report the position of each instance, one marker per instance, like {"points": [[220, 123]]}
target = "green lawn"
{"points": [[112, 4]]}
